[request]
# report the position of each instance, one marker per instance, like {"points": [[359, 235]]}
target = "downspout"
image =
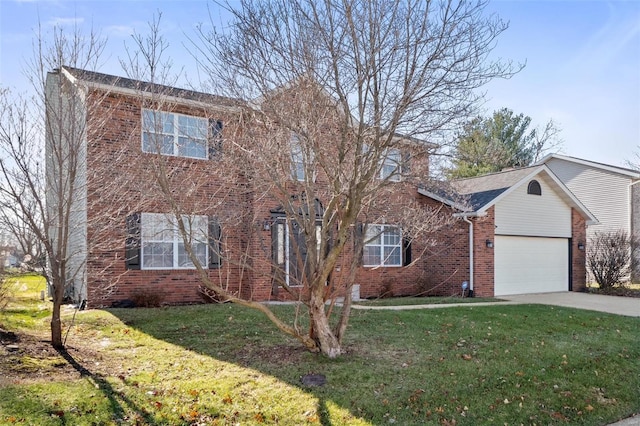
{"points": [[633, 233], [631, 212], [466, 219]]}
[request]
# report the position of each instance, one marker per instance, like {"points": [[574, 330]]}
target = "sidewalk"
{"points": [[628, 306]]}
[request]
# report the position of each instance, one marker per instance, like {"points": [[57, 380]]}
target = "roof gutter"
{"points": [[148, 95], [464, 215]]}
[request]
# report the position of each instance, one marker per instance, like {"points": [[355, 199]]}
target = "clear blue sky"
{"points": [[582, 58]]}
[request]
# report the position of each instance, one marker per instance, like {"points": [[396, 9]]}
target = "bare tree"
{"points": [[31, 249], [609, 257], [43, 174], [347, 83], [634, 162], [337, 101]]}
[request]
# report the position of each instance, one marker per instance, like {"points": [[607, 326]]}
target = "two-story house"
{"points": [[125, 240], [611, 193]]}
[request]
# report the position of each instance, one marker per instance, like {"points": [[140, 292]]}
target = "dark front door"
{"points": [[289, 252]]}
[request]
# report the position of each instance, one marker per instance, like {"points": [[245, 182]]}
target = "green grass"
{"points": [[224, 364], [25, 309]]}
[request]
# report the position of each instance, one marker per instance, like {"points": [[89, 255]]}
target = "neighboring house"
{"points": [[611, 193], [9, 257], [526, 230], [125, 242]]}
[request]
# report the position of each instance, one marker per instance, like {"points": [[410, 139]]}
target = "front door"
{"points": [[289, 252]]}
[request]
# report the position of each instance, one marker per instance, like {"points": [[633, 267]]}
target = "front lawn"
{"points": [[224, 364]]}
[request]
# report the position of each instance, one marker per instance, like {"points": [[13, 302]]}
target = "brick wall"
{"points": [[120, 182], [484, 264], [578, 261]]}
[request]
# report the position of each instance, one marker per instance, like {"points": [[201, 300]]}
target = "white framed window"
{"points": [[391, 167], [382, 246], [297, 159], [301, 160], [162, 246], [174, 134]]}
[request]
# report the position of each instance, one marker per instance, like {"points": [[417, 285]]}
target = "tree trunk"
{"points": [[56, 321], [56, 325], [329, 344]]}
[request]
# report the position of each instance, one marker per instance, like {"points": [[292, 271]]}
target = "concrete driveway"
{"points": [[628, 306]]}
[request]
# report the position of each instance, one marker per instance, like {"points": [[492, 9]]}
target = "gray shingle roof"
{"points": [[131, 84], [492, 181], [477, 200], [472, 194]]}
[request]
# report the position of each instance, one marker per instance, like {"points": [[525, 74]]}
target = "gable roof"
{"points": [[130, 86], [634, 174], [474, 196], [313, 83]]}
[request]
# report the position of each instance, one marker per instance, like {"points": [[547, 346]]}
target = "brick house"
{"points": [[125, 243]]}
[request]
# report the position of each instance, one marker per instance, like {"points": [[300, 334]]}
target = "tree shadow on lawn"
{"points": [[374, 363], [33, 361], [115, 398], [262, 348]]}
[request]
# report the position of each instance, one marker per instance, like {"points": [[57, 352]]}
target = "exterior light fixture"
{"points": [[489, 243], [581, 246], [266, 225]]}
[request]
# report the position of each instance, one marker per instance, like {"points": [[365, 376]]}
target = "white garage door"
{"points": [[530, 265]]}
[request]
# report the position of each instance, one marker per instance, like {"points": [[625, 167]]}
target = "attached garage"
{"points": [[532, 234], [527, 232], [530, 265]]}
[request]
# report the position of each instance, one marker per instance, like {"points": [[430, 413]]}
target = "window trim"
{"points": [[396, 174], [298, 161], [382, 246], [534, 188], [176, 133], [176, 241]]}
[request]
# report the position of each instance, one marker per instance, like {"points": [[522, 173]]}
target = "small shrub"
{"points": [[609, 258], [147, 299]]}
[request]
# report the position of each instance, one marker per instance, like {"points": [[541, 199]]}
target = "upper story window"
{"points": [[162, 246], [382, 246], [534, 188], [301, 161], [391, 167], [297, 159], [176, 134]]}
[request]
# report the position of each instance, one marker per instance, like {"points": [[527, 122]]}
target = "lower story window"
{"points": [[162, 245], [382, 246]]}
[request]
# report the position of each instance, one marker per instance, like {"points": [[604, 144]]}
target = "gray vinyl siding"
{"points": [[68, 116], [545, 215], [605, 194]]}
